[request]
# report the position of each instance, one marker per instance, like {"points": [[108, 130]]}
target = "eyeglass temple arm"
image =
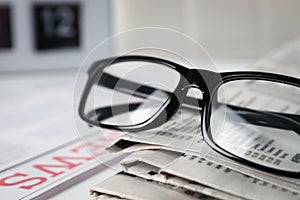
{"points": [[264, 118], [252, 117], [142, 91]]}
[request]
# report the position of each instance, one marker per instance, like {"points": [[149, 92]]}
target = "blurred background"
{"points": [[39, 35], [227, 29]]}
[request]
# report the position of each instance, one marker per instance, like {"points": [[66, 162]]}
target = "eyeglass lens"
{"points": [[258, 121]]}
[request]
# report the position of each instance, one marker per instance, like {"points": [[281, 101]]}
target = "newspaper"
{"points": [[177, 155], [178, 139]]}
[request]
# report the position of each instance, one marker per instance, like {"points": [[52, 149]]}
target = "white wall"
{"points": [[233, 29]]}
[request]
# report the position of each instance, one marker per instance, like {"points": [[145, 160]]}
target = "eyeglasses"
{"points": [[251, 117]]}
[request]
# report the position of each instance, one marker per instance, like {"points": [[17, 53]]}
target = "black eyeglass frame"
{"points": [[206, 81]]}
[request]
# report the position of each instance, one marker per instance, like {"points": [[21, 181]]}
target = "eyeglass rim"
{"points": [[98, 67], [236, 76]]}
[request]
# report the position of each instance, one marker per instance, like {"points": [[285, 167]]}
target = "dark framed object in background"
{"points": [[56, 25], [5, 27]]}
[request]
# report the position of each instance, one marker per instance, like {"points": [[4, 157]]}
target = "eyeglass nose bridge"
{"points": [[204, 80]]}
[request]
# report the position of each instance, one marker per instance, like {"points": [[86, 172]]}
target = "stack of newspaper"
{"points": [[174, 162]]}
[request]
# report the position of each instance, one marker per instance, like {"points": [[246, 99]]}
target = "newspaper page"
{"points": [[158, 158], [201, 170], [40, 150], [150, 172], [131, 187], [34, 109], [285, 60], [208, 173], [52, 172], [142, 166]]}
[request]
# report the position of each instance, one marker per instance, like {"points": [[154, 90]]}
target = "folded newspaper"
{"points": [[176, 163]]}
